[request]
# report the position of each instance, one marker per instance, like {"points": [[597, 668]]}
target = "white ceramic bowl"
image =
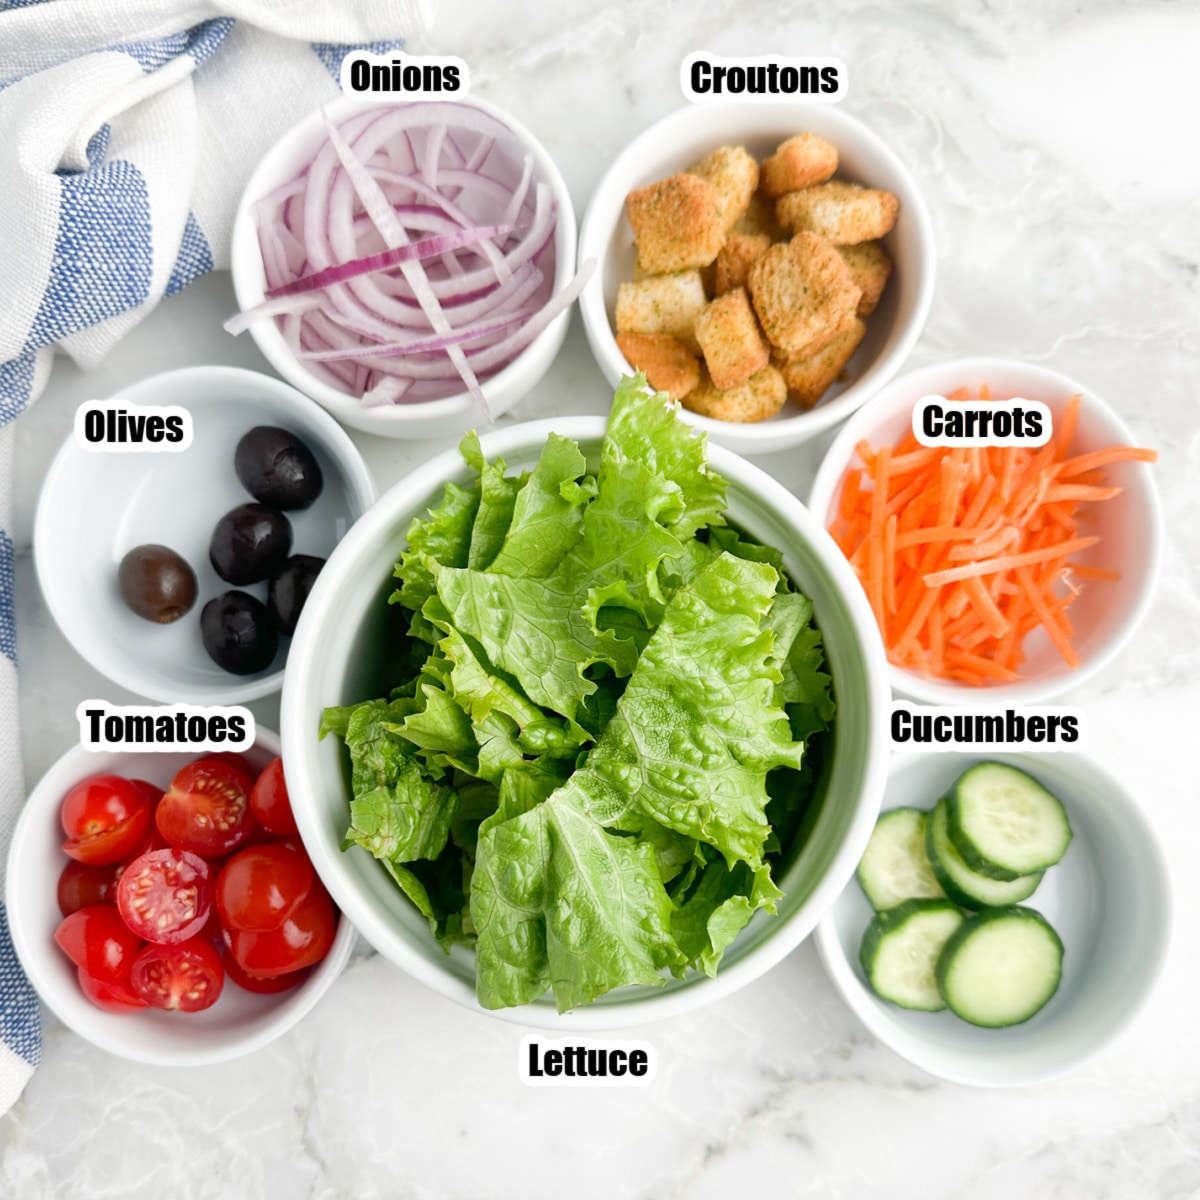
{"points": [[96, 506], [444, 417], [1130, 526], [337, 659], [686, 136], [1108, 899], [239, 1022]]}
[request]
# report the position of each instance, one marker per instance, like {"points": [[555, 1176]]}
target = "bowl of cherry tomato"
{"points": [[164, 907]]}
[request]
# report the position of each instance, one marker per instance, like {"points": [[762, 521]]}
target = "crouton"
{"points": [[760, 397], [662, 304], [870, 268], [842, 213], [808, 377], [668, 364], [798, 163], [677, 223], [734, 261], [734, 173], [803, 294], [759, 217], [730, 341]]}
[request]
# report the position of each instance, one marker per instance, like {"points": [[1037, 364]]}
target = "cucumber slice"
{"points": [[1004, 823], [1000, 967], [894, 866], [960, 883], [901, 949]]}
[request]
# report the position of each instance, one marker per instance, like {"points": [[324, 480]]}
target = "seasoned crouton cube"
{"points": [[803, 294], [798, 163], [736, 257], [729, 338], [842, 213], [734, 173], [870, 268], [807, 378], [759, 217], [662, 304], [677, 223], [760, 397], [668, 364]]}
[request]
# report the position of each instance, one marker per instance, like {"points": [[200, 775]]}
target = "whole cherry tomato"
{"points": [[105, 819], [261, 886], [96, 939], [302, 940], [270, 802], [112, 997], [81, 884]]}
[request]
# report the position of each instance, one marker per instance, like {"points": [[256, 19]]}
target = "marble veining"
{"points": [[1057, 153]]}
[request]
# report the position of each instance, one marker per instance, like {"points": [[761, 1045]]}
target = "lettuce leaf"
{"points": [[599, 738]]}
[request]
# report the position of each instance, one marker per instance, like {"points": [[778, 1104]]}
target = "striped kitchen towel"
{"points": [[127, 128]]}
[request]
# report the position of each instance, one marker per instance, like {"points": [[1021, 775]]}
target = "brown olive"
{"points": [[156, 583]]}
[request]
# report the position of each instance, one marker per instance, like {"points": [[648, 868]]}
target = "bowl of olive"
{"points": [[180, 573]]}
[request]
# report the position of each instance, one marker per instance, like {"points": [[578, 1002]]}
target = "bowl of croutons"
{"points": [[770, 266]]}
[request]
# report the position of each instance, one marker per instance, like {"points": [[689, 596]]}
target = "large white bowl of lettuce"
{"points": [[585, 724]]}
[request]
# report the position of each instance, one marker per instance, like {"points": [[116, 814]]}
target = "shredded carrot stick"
{"points": [[964, 552]]}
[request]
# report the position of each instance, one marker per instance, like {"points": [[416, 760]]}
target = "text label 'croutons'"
{"points": [[705, 77], [403, 76], [937, 421]]}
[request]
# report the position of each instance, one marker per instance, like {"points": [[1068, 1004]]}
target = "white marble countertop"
{"points": [[1059, 158]]}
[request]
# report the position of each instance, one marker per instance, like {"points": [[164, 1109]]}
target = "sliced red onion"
{"points": [[393, 261]]}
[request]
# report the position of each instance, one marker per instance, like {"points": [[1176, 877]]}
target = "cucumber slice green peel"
{"points": [[959, 882], [894, 866], [1004, 824], [1000, 967], [901, 948]]}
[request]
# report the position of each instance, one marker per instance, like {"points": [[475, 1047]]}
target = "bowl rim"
{"points": [[602, 217], [111, 1035], [869, 1011], [915, 383], [121, 669], [397, 504], [401, 419]]}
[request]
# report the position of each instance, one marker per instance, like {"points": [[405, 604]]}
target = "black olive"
{"points": [[249, 543], [290, 586], [156, 583], [238, 633], [277, 468]]}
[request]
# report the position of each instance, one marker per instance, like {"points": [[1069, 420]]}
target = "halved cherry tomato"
{"points": [[165, 895], [105, 819], [207, 808], [270, 802], [261, 886], [81, 884], [303, 939], [112, 997], [96, 939], [259, 985], [187, 977]]}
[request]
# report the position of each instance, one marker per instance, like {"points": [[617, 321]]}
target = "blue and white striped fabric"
{"points": [[127, 128]]}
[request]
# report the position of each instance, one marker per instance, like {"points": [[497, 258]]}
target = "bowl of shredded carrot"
{"points": [[1022, 569]]}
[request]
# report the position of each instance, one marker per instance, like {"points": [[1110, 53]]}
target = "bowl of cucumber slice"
{"points": [[1008, 919]]}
